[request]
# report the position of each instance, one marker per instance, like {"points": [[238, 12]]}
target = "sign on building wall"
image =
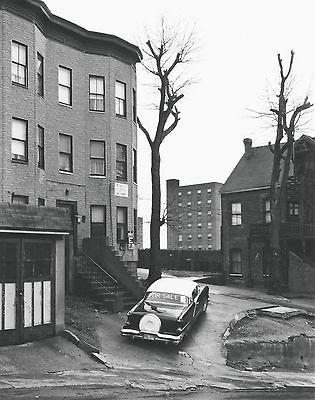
{"points": [[121, 189]]}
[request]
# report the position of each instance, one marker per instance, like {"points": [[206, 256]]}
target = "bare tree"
{"points": [[165, 55], [287, 119]]}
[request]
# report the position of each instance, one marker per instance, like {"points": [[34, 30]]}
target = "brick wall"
{"points": [[77, 121]]}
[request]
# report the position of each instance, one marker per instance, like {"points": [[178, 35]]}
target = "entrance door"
{"points": [[26, 290]]}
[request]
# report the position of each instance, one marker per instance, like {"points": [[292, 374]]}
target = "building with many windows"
{"points": [[68, 123], [193, 216], [246, 218]]}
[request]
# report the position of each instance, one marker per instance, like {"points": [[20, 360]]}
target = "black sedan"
{"points": [[167, 310]]}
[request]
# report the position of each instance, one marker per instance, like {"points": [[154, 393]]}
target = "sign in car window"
{"points": [[162, 297]]}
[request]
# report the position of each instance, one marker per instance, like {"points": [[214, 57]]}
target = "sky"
{"points": [[235, 69]]}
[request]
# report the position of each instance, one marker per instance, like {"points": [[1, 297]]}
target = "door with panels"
{"points": [[27, 289]]}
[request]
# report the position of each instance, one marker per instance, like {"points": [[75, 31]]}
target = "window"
{"points": [[38, 260], [189, 237], [267, 211], [236, 214], [293, 209], [120, 93], [189, 192], [180, 238], [19, 63], [189, 225], [199, 202], [199, 224], [236, 262], [209, 225], [199, 213], [189, 214], [180, 204], [97, 157], [98, 225], [189, 204], [134, 165], [65, 153], [209, 201], [209, 190], [19, 199], [209, 212], [41, 202], [199, 247], [97, 93], [179, 193], [199, 236], [121, 162], [65, 86], [121, 225], [209, 236], [199, 191], [40, 74], [135, 225], [8, 261], [19, 140], [134, 105], [40, 147]]}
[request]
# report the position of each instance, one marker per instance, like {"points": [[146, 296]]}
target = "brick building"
{"points": [[193, 216], [68, 123], [246, 217]]}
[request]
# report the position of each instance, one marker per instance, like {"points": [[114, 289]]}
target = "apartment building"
{"points": [[193, 216], [68, 123]]}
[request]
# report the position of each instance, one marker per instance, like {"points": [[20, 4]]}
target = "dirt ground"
{"points": [[267, 328]]}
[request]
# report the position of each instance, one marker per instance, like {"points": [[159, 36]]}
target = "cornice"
{"points": [[68, 33]]}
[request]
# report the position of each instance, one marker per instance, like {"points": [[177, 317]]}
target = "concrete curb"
{"points": [[237, 318]]}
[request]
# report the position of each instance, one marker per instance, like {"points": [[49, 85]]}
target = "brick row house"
{"points": [[68, 127], [246, 217]]}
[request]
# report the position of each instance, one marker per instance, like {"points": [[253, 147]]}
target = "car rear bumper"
{"points": [[156, 337]]}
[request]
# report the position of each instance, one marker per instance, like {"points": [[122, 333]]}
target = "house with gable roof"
{"points": [[246, 219]]}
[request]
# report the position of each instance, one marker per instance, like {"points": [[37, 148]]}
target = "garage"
{"points": [[32, 272]]}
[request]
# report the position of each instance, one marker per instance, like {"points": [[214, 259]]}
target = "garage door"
{"points": [[26, 290]]}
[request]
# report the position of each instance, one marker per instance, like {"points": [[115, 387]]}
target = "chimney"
{"points": [[248, 147]]}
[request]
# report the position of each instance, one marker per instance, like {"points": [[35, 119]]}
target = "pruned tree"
{"points": [[287, 119], [165, 55]]}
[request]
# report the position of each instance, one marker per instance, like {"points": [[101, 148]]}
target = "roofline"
{"points": [[33, 232], [246, 190], [73, 28]]}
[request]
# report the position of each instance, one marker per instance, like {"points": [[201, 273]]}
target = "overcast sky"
{"points": [[235, 68]]}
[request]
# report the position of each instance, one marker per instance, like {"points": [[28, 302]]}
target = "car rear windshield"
{"points": [[170, 298]]}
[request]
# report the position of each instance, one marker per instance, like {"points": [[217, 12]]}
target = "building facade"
{"points": [[68, 122], [246, 219], [193, 216]]}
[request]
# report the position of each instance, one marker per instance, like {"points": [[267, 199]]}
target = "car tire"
{"points": [[150, 323]]}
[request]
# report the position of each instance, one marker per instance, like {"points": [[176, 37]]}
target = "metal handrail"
{"points": [[99, 267]]}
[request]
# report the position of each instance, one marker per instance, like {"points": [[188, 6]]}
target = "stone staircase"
{"points": [[116, 291]]}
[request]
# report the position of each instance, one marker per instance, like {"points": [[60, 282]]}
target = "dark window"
{"points": [[236, 262], [121, 225], [19, 63], [37, 260], [41, 148], [98, 221], [40, 74], [135, 225], [267, 211], [19, 199], [236, 214], [41, 201], [120, 94], [121, 162], [134, 165], [97, 157], [65, 86], [293, 209], [65, 153], [8, 261], [134, 105], [19, 140], [97, 93]]}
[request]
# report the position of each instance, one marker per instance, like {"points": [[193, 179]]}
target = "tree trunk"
{"points": [[155, 268]]}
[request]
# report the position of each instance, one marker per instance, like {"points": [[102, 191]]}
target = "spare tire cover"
{"points": [[150, 323]]}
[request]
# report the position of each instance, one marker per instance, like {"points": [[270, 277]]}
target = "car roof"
{"points": [[173, 285]]}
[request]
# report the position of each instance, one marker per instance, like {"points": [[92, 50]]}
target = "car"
{"points": [[167, 310]]}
